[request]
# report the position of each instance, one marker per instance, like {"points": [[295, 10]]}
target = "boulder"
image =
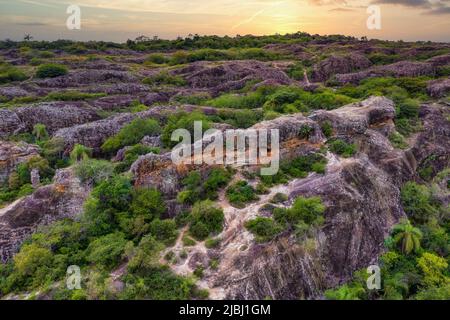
{"points": [[325, 69], [13, 154], [64, 198]]}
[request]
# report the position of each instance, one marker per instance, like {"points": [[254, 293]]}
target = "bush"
{"points": [[157, 58], [92, 171], [182, 120], [132, 154], [51, 70], [80, 152], [131, 134], [164, 231], [240, 193], [212, 243], [309, 210], [72, 95], [417, 202], [9, 74], [206, 218], [148, 203], [164, 78], [264, 229], [107, 251], [398, 141], [342, 148], [279, 197]]}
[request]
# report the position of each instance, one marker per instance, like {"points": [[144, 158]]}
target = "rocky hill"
{"points": [[87, 178]]}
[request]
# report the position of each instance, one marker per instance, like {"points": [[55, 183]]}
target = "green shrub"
{"points": [[92, 171], [206, 218], [132, 154], [417, 202], [182, 120], [212, 243], [107, 251], [279, 197], [265, 229], [240, 193], [327, 129], [72, 95], [80, 152], [51, 70], [9, 74], [164, 231], [147, 202], [309, 210], [131, 134], [157, 58], [398, 141], [164, 78], [342, 148], [188, 241]]}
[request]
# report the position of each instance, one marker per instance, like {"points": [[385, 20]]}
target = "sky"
{"points": [[119, 20]]}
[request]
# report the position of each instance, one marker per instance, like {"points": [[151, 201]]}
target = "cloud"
{"points": [[435, 7]]}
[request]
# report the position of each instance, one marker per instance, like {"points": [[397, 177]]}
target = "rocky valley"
{"points": [[87, 179]]}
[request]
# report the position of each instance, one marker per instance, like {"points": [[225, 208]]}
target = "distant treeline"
{"points": [[196, 41]]}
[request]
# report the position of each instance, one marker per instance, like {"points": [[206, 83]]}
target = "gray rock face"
{"points": [[13, 92], [338, 65], [398, 69], [54, 115], [12, 154], [93, 134], [362, 201], [229, 75], [85, 77], [438, 88], [64, 198], [114, 102], [356, 118]]}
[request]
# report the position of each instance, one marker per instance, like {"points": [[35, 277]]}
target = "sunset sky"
{"points": [[118, 20]]}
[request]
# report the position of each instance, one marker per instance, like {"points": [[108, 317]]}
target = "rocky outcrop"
{"points": [[86, 77], [438, 88], [13, 92], [398, 69], [229, 75], [338, 65], [54, 115], [13, 154], [63, 198]]}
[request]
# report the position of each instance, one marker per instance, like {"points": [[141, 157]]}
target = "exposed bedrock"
{"points": [[12, 154], [230, 75], [54, 115], [63, 198], [398, 69], [438, 88], [339, 64]]}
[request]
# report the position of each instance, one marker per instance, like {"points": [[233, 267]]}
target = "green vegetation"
{"points": [[304, 215], [240, 193], [182, 120], [296, 168], [264, 229], [198, 188], [131, 134], [72, 95], [164, 78], [341, 148], [9, 73], [206, 219], [282, 99], [132, 154], [51, 70], [398, 141], [415, 266]]}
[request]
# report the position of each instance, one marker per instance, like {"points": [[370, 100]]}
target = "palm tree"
{"points": [[80, 152], [407, 236]]}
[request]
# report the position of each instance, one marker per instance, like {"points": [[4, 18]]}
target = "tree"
{"points": [[80, 152], [40, 131], [407, 237], [206, 218], [433, 268], [416, 200]]}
